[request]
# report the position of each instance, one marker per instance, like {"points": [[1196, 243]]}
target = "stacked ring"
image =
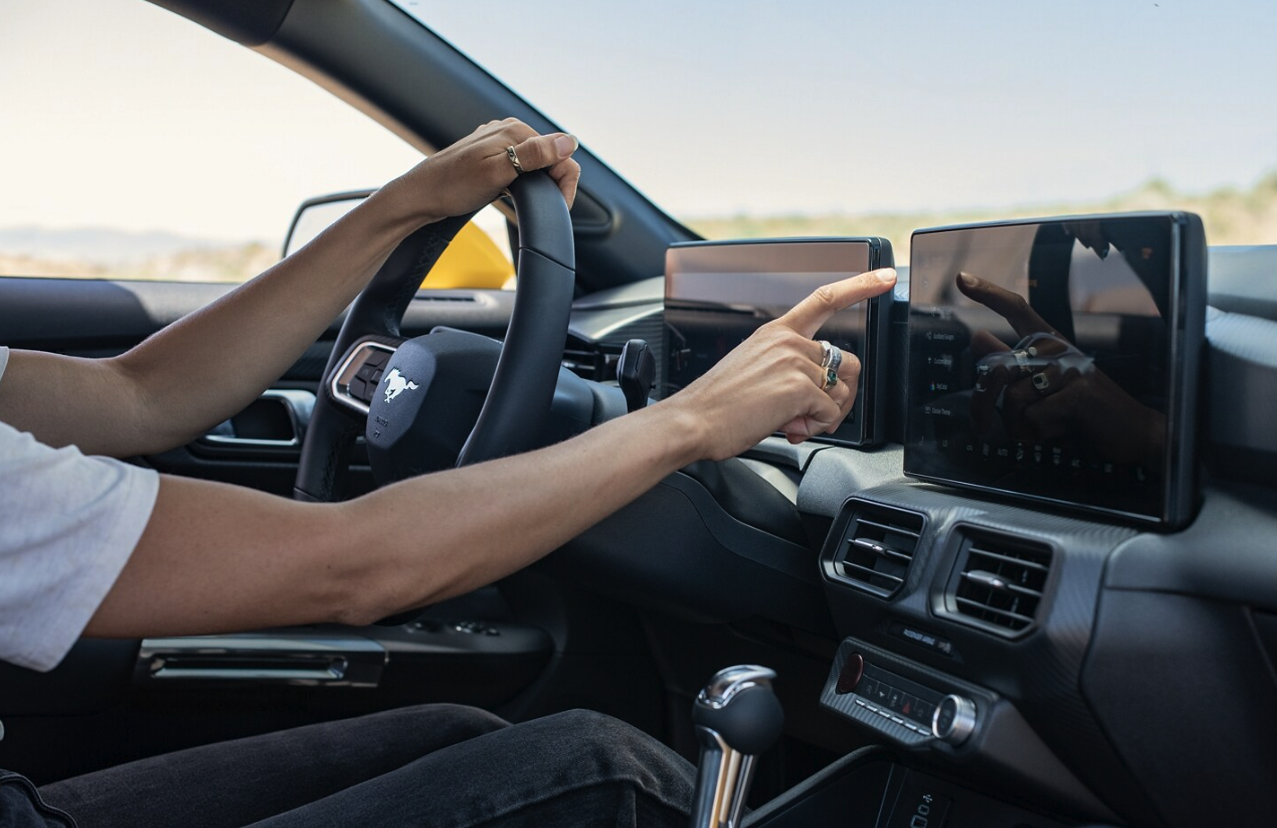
{"points": [[514, 159], [829, 361], [832, 357]]}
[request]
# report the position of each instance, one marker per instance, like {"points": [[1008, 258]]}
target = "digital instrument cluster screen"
{"points": [[1044, 360], [718, 293]]}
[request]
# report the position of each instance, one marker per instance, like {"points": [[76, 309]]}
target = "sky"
{"points": [[140, 119]]}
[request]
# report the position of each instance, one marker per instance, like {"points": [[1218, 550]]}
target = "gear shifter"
{"points": [[737, 717], [635, 372]]}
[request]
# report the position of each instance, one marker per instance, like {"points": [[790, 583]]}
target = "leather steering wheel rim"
{"points": [[522, 389]]}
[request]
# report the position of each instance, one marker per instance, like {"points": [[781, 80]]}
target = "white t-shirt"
{"points": [[68, 524]]}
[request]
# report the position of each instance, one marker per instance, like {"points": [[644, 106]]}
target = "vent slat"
{"points": [[1025, 620], [897, 530], [1006, 587], [873, 573], [878, 549], [882, 550], [975, 550], [1000, 587]]}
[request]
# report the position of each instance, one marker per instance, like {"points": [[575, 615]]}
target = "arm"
{"points": [[211, 364], [217, 558]]}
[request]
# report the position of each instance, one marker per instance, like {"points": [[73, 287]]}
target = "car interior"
{"points": [[949, 645]]}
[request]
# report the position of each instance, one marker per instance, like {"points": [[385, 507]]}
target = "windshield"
{"points": [[813, 118]]}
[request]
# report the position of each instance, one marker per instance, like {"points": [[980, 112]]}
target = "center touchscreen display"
{"points": [[718, 293], [1045, 361]]}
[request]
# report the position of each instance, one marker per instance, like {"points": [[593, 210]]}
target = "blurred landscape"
{"points": [[1231, 216], [100, 253]]}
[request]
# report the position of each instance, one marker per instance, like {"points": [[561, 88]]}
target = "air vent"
{"points": [[432, 295], [876, 549], [1000, 583], [590, 360]]}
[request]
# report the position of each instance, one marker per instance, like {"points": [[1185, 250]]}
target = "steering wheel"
{"points": [[449, 397]]}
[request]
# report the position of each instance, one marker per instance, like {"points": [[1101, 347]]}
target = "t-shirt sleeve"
{"points": [[68, 524]]}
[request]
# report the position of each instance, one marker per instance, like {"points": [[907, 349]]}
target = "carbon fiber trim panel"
{"points": [[1039, 672]]}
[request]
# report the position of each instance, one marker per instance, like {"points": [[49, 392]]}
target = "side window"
{"points": [[480, 255], [138, 145]]}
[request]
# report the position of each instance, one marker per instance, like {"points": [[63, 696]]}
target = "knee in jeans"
{"points": [[587, 731], [464, 720], [616, 752]]}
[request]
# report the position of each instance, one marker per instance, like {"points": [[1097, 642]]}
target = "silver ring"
{"points": [[1022, 359], [831, 379], [827, 352], [514, 159], [1041, 381], [835, 360]]}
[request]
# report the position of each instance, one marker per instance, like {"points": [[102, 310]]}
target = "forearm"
{"points": [[212, 363], [218, 558], [459, 530]]}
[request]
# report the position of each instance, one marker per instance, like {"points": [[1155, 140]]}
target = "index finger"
{"points": [[1012, 307], [809, 315]]}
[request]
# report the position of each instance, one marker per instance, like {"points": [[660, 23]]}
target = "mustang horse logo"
{"points": [[397, 383]]}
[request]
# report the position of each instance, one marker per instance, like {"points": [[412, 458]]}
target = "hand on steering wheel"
{"points": [[471, 173], [454, 183]]}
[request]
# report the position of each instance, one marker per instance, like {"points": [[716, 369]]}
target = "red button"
{"points": [[852, 669]]}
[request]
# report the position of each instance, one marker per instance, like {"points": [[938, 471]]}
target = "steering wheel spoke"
{"points": [[355, 381]]}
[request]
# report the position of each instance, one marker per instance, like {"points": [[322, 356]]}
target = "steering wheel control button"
{"points": [[355, 382], [954, 719], [852, 671]]}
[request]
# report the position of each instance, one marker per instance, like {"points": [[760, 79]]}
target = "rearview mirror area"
{"points": [[480, 257]]}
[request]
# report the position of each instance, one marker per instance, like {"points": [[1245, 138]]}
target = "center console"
{"points": [[1043, 417], [869, 789]]}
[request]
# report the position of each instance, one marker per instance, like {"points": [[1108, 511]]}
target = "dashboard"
{"points": [[1082, 663]]}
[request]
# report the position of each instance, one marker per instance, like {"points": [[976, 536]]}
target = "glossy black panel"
{"points": [[718, 293], [1048, 359]]}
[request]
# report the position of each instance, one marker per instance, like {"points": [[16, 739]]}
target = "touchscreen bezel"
{"points": [[1185, 324], [868, 426]]}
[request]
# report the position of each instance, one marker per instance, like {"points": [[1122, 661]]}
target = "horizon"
{"points": [[1150, 184]]}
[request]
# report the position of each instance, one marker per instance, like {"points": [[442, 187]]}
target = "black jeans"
{"points": [[435, 765]]}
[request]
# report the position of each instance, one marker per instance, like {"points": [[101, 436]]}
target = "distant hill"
{"points": [[101, 253], [97, 244], [1231, 216]]}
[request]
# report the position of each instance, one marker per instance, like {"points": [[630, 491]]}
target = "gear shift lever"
{"points": [[737, 717], [635, 373]]}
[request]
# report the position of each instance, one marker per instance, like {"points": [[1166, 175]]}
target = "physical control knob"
{"points": [[737, 717], [954, 719], [635, 373]]}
